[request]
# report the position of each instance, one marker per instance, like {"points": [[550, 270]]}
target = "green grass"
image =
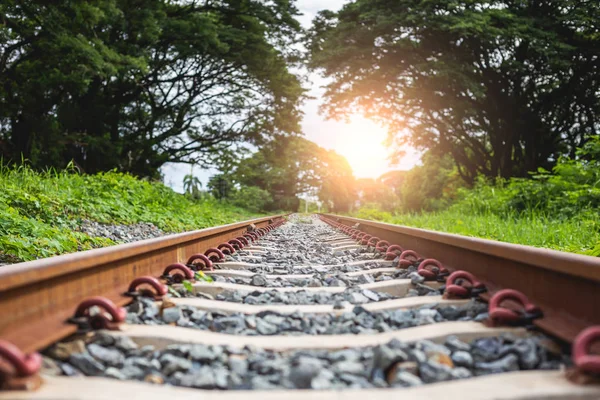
{"points": [[39, 212], [577, 234]]}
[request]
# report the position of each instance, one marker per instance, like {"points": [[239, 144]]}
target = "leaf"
{"points": [[201, 276], [188, 286]]}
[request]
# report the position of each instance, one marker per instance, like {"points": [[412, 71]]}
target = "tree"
{"points": [[291, 166], [220, 186], [133, 85], [192, 185], [503, 86], [337, 186]]}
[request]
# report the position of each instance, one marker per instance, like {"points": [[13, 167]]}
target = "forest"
{"points": [[501, 98]]}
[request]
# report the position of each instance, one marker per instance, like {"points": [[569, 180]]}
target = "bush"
{"points": [[252, 198], [372, 212], [557, 209]]}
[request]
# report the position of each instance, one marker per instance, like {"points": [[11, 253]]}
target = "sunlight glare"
{"points": [[361, 141]]}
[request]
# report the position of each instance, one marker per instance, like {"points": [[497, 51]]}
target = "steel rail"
{"points": [[566, 286], [38, 297]]}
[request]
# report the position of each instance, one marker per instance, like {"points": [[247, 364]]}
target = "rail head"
{"points": [[37, 297], [584, 266], [26, 273], [565, 285]]}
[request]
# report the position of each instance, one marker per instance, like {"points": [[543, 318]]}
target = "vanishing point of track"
{"points": [[530, 291]]}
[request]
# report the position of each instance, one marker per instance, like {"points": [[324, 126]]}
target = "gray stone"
{"points": [[357, 298], [462, 359], [434, 372], [428, 313], [132, 372], [112, 372], [481, 317], [371, 295], [261, 383], [274, 319], [125, 343], [259, 280], [221, 376], [301, 375], [429, 346], [265, 328], [69, 370], [460, 373], [197, 316], [104, 339], [203, 379], [349, 367], [508, 363], [111, 357], [251, 300], [384, 356], [202, 353], [415, 278], [345, 355], [143, 363], [401, 317], [486, 348], [365, 278], [86, 364], [171, 315], [405, 379], [314, 282], [238, 365], [454, 343], [171, 363], [526, 350]]}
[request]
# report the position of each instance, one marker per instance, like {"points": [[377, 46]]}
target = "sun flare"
{"points": [[361, 141]]}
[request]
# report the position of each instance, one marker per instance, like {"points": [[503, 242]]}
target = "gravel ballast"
{"points": [[394, 364]]}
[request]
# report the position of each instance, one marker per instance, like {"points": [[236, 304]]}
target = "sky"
{"points": [[359, 140]]}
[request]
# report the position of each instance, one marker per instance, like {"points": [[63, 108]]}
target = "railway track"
{"points": [[324, 307]]}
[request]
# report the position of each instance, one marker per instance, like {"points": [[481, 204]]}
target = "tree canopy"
{"points": [[503, 86], [289, 167], [132, 84]]}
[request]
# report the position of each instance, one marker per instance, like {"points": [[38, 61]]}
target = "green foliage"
{"points": [[372, 212], [571, 189], [220, 186], [557, 209], [132, 85], [252, 198], [201, 276], [502, 86], [40, 212], [290, 166], [192, 186], [579, 234], [188, 286]]}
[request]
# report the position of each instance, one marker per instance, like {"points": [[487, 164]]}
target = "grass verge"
{"points": [[40, 212], [577, 234]]}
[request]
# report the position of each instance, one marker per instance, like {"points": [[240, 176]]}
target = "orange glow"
{"points": [[361, 141]]}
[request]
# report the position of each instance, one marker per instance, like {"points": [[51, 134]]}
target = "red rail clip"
{"points": [[584, 361], [20, 371], [226, 248], [214, 255], [500, 314], [459, 291], [206, 263], [100, 320], [159, 289], [178, 272], [435, 269]]}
